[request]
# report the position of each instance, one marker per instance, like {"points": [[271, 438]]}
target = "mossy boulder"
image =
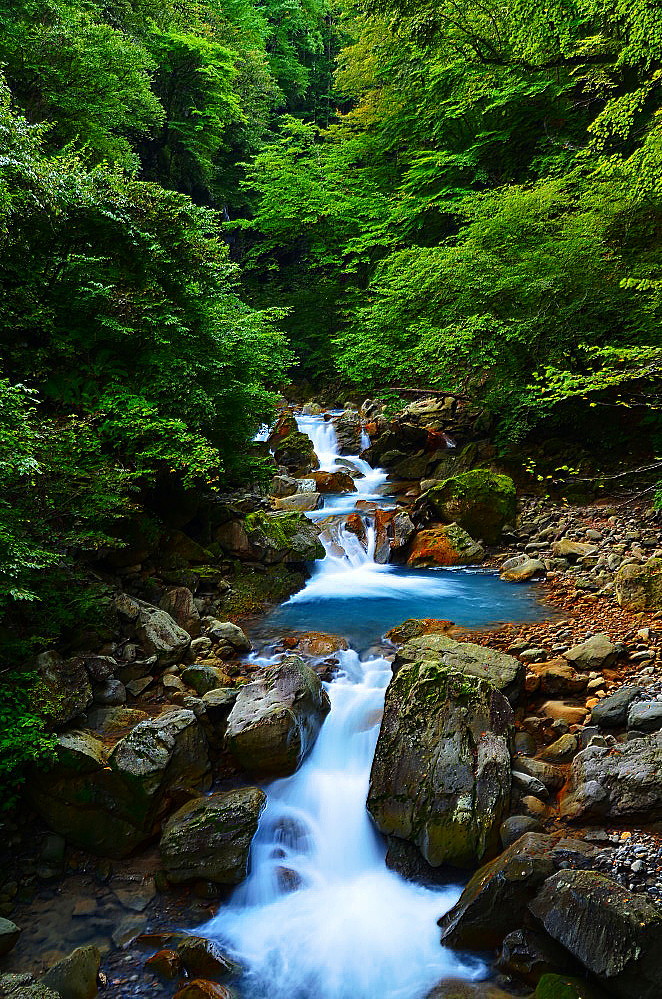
{"points": [[276, 718], [110, 803], [440, 777], [639, 587], [444, 546], [296, 453], [288, 537], [504, 672], [209, 838], [480, 501], [63, 690]]}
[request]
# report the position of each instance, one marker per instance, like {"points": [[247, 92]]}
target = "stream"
{"points": [[320, 915]]}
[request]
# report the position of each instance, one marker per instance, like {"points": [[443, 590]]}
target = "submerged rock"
{"points": [[210, 838], [441, 773], [617, 935], [276, 718]]}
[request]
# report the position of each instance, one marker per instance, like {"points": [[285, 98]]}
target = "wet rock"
{"points": [[459, 989], [516, 826], [9, 934], [414, 627], [617, 935], [550, 776], [444, 546], [288, 537], [571, 714], [596, 653], [645, 716], [165, 964], [612, 711], [218, 703], [276, 718], [203, 958], [619, 782], [201, 989], [348, 432], [522, 568], [333, 482], [180, 605], [494, 902], [560, 751], [479, 501], [115, 721], [156, 631], [441, 772], [209, 838], [63, 690], [316, 643], [558, 677], [502, 671], [393, 529], [528, 956], [639, 587], [75, 977], [553, 986]]}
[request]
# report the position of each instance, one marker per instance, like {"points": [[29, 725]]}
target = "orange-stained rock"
{"points": [[165, 964], [316, 643], [200, 988], [558, 677], [333, 482], [444, 546], [570, 713]]}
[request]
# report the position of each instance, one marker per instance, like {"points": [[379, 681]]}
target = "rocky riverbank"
{"points": [[532, 749]]}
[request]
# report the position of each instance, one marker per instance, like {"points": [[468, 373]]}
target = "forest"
{"points": [[202, 201]]}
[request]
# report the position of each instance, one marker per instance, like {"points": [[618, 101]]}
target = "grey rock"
{"points": [[276, 718], [617, 935], [503, 672], [156, 631], [441, 773], [110, 693], [516, 826], [210, 838], [227, 633], [612, 711], [620, 782], [9, 934], [645, 716], [597, 652], [521, 568]]}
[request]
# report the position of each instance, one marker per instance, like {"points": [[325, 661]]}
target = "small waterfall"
{"points": [[320, 915]]}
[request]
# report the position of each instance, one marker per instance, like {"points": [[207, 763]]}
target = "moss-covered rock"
{"points": [[283, 537], [296, 452], [276, 718], [441, 773], [553, 986], [444, 546], [252, 591], [480, 501], [639, 587], [209, 838]]}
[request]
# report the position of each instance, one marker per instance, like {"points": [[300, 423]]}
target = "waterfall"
{"points": [[320, 915]]}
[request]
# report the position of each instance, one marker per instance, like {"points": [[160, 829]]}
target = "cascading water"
{"points": [[320, 915]]}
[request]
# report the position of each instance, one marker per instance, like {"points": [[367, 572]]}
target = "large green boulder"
{"points": [[288, 537], [504, 672], [440, 777], [75, 976], [639, 587], [209, 838], [296, 453], [480, 501], [276, 718], [444, 546]]}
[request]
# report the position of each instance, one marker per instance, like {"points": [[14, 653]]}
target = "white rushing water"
{"points": [[320, 915]]}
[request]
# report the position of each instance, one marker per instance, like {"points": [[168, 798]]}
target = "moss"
{"points": [[480, 501], [564, 987], [253, 592]]}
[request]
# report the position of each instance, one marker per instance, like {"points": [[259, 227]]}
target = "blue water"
{"points": [[364, 602]]}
